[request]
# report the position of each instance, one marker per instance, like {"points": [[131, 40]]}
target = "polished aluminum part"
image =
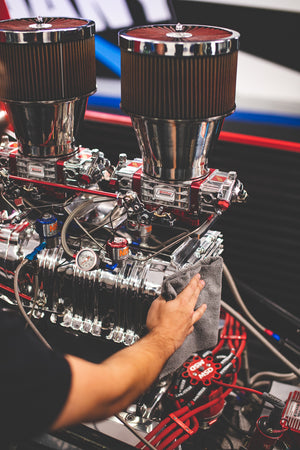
{"points": [[181, 43], [175, 195], [106, 302], [36, 168], [15, 240], [45, 30], [47, 129], [176, 150], [209, 194]]}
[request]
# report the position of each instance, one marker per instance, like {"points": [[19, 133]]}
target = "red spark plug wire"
{"points": [[167, 434], [174, 444], [236, 387], [224, 332], [186, 416]]}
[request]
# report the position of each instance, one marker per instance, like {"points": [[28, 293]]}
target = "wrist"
{"points": [[166, 345]]}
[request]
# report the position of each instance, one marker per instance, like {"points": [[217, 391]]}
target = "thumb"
{"points": [[199, 313]]}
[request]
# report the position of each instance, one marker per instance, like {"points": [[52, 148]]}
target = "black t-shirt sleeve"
{"points": [[34, 381]]}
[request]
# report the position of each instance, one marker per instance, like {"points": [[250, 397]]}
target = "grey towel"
{"points": [[205, 334]]}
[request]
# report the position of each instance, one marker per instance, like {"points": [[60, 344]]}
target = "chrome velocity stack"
{"points": [[178, 83], [47, 70]]}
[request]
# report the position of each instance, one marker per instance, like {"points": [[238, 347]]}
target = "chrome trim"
{"points": [[42, 35], [47, 129], [111, 304], [177, 48], [176, 150]]}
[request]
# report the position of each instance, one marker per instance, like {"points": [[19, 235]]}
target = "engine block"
{"points": [[100, 237], [111, 300]]}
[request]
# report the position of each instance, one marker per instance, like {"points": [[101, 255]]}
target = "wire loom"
{"points": [[182, 423]]}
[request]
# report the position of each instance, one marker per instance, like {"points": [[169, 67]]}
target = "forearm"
{"points": [[111, 386], [100, 390], [135, 368]]}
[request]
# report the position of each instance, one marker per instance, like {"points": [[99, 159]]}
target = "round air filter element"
{"points": [[46, 59], [185, 72]]}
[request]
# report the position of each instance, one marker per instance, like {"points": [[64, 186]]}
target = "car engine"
{"points": [[85, 244]]}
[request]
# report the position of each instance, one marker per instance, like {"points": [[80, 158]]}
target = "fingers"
{"points": [[192, 290], [199, 313], [190, 330]]}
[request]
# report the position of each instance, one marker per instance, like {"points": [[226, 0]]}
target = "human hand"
{"points": [[174, 320]]}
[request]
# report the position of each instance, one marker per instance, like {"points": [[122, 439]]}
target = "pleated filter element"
{"points": [[47, 69], [178, 83], [53, 59], [187, 74]]}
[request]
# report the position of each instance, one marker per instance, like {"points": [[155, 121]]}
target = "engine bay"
{"points": [[85, 245]]}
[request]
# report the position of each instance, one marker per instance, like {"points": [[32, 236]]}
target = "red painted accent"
{"points": [[136, 181], [120, 244], [21, 227], [268, 332], [8, 289], [195, 191], [218, 178], [259, 141], [18, 202], [113, 119], [85, 179], [261, 440], [4, 14], [135, 164], [225, 136], [291, 418], [203, 370], [113, 183], [117, 243], [216, 400], [211, 422], [223, 204], [62, 186]]}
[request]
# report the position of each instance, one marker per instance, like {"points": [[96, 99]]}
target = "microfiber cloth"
{"points": [[205, 334]]}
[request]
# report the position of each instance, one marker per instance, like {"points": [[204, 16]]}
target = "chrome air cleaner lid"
{"points": [[44, 30], [179, 40]]}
